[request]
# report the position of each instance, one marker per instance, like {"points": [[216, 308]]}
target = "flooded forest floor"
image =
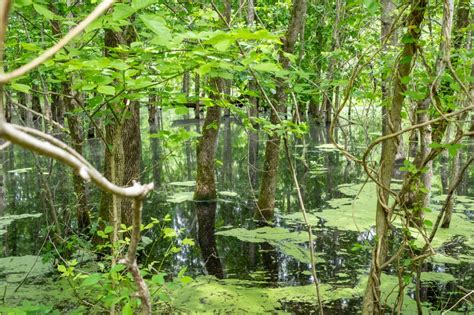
{"points": [[231, 264]]}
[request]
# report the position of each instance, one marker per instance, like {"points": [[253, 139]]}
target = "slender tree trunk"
{"points": [[455, 169], [197, 94], [266, 199], [328, 96], [77, 139], [462, 21], [206, 149], [132, 153], [419, 198], [227, 154], [57, 106], [3, 201], [253, 135], [126, 157], [388, 8], [154, 125], [372, 303]]}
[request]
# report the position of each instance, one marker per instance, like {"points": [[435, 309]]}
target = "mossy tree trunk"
{"points": [[462, 22], [125, 149], [266, 199], [372, 303], [206, 149]]}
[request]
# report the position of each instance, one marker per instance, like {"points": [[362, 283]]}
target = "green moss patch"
{"points": [[282, 239], [14, 269]]}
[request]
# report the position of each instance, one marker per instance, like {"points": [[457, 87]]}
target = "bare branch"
{"points": [[15, 135]]}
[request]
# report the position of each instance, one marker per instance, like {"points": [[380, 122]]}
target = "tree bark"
{"points": [[266, 199], [253, 135], [372, 297], [462, 21], [77, 139], [154, 125], [132, 154], [126, 146], [206, 149]]}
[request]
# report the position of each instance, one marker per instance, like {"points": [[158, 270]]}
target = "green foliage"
{"points": [[111, 280]]}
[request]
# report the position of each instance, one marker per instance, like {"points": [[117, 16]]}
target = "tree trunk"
{"points": [[206, 149], [252, 112], [454, 174], [197, 94], [77, 139], [132, 153], [328, 95], [462, 21], [126, 146], [227, 154], [266, 199], [388, 8], [372, 297], [154, 125]]}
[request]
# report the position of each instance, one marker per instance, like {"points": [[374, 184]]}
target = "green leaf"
{"points": [[169, 232], [44, 12], [428, 223], [122, 11], [157, 25], [146, 240], [118, 64], [106, 89], [127, 309], [117, 268], [22, 3], [30, 47], [20, 87], [188, 241], [175, 249], [182, 272], [372, 6], [424, 190], [91, 280], [141, 4], [223, 45], [102, 234], [159, 278], [62, 268], [108, 229], [186, 279], [405, 79], [426, 210], [88, 86], [266, 67], [204, 69]]}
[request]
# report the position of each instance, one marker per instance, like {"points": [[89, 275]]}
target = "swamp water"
{"points": [[236, 265]]}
